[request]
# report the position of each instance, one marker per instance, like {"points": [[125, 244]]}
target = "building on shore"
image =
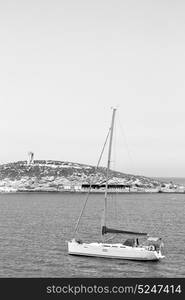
{"points": [[101, 187]]}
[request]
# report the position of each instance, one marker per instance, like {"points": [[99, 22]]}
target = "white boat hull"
{"points": [[118, 251]]}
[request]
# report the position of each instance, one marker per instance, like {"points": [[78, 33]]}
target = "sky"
{"points": [[65, 63]]}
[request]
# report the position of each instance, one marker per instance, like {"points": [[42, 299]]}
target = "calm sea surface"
{"points": [[34, 229]]}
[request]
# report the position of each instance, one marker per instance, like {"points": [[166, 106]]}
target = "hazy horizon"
{"points": [[65, 63]]}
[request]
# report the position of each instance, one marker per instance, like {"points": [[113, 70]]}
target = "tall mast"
{"points": [[108, 169]]}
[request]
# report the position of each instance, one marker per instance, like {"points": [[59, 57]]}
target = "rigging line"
{"points": [[114, 196], [110, 176], [104, 215], [126, 144], [113, 201], [110, 238], [90, 186], [103, 149], [103, 181]]}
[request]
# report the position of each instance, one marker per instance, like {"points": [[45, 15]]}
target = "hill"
{"points": [[49, 175]]}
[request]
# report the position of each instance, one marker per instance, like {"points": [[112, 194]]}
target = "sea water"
{"points": [[34, 229]]}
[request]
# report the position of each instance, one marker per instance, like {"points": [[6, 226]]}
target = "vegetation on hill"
{"points": [[57, 175]]}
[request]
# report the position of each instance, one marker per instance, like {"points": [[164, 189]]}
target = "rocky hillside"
{"points": [[49, 175]]}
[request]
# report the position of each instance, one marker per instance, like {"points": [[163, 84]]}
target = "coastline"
{"points": [[43, 176], [92, 192]]}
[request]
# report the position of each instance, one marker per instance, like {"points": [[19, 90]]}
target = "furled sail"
{"points": [[112, 230]]}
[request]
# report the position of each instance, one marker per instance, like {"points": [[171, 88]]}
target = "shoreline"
{"points": [[82, 192]]}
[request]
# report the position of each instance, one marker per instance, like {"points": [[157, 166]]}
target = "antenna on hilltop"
{"points": [[30, 160]]}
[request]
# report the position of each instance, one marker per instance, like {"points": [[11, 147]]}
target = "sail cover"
{"points": [[112, 230]]}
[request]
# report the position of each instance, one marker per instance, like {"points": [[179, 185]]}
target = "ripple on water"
{"points": [[34, 229]]}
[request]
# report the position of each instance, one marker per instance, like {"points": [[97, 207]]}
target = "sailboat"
{"points": [[131, 249]]}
